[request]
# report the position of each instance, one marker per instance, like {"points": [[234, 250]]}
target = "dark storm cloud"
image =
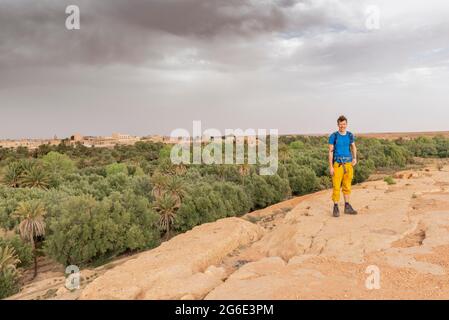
{"points": [[112, 31], [148, 66], [32, 33]]}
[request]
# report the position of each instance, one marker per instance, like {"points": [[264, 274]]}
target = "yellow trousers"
{"points": [[342, 180]]}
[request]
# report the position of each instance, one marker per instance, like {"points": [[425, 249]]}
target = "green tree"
{"points": [[302, 179], [8, 272], [32, 225], [397, 154], [12, 175], [58, 166], [87, 230], [22, 249], [176, 188], [284, 153], [363, 170], [35, 176], [442, 146], [297, 145], [166, 206], [82, 232], [159, 182], [261, 192], [8, 259], [244, 171], [116, 168]]}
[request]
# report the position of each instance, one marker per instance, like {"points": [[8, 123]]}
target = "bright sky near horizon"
{"points": [[149, 67]]}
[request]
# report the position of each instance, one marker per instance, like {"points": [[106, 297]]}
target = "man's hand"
{"points": [[354, 162], [332, 171]]}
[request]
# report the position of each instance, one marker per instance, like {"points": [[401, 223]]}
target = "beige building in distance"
{"points": [[101, 141], [29, 143], [88, 141]]}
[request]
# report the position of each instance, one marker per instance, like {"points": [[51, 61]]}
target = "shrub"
{"points": [[86, 230], [8, 272], [298, 145], [325, 182], [262, 194], [58, 165], [116, 168], [398, 155], [9, 284], [423, 147], [389, 180], [442, 146], [302, 179], [207, 202], [363, 170], [22, 249], [9, 200]]}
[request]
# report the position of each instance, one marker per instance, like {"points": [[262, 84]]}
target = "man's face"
{"points": [[342, 126]]}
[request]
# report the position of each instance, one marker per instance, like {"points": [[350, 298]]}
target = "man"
{"points": [[342, 159]]}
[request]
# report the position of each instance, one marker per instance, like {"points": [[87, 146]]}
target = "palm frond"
{"points": [[8, 260]]}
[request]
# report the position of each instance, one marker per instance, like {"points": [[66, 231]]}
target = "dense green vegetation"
{"points": [[84, 206]]}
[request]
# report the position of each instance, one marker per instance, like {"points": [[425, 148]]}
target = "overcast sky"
{"points": [[148, 67]]}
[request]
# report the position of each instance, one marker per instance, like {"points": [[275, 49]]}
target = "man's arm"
{"points": [[354, 153], [331, 159]]}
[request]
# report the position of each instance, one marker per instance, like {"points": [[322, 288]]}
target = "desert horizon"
{"points": [[365, 134]]}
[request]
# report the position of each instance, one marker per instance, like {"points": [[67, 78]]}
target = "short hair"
{"points": [[341, 119]]}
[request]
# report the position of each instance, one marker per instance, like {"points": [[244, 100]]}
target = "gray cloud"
{"points": [[159, 64], [133, 32], [138, 31]]}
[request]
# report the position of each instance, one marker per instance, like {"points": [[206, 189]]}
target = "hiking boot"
{"points": [[336, 212], [349, 209]]}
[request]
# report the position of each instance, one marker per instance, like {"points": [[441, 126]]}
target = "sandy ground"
{"points": [[401, 231], [397, 247]]}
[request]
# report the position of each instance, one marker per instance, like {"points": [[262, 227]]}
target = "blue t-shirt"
{"points": [[342, 150]]}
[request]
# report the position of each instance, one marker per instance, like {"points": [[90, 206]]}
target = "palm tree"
{"points": [[159, 184], [176, 188], [180, 169], [166, 206], [8, 260], [244, 170], [32, 225], [221, 170], [27, 164], [284, 153], [12, 175], [35, 176], [167, 167]]}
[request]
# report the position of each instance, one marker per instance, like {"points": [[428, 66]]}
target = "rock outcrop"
{"points": [[402, 230]]}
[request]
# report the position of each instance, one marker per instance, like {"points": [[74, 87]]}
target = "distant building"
{"points": [[77, 138], [28, 143], [155, 139], [106, 142]]}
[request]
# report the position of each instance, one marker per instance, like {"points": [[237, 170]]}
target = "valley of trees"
{"points": [[84, 206]]}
